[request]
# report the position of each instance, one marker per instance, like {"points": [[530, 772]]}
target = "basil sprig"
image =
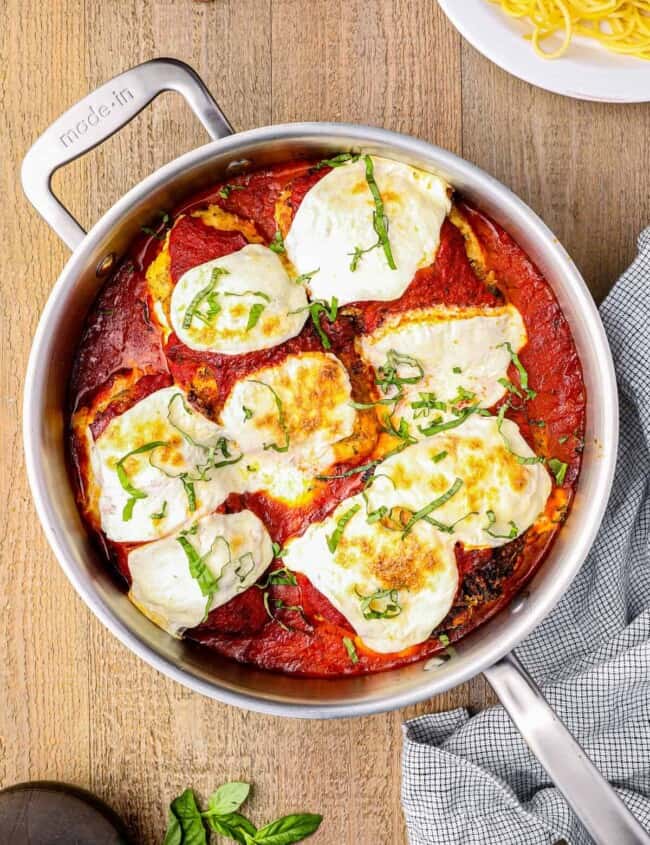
{"points": [[187, 825]]}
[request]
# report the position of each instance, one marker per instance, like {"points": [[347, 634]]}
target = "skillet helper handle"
{"points": [[97, 117], [590, 796]]}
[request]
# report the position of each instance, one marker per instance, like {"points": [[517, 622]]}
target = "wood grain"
{"points": [[74, 704]]}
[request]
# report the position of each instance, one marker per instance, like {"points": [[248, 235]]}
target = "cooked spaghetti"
{"points": [[622, 26]]}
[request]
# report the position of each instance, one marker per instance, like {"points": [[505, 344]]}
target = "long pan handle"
{"points": [[590, 796], [98, 116]]}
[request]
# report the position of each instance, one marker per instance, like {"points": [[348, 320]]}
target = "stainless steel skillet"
{"points": [[487, 649]]}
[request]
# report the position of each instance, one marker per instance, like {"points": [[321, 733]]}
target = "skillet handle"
{"points": [[97, 117], [590, 796]]}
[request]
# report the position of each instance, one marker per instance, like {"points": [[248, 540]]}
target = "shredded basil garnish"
{"points": [[207, 295], [363, 406], [456, 370], [306, 277], [389, 376], [427, 403], [245, 565], [277, 244], [158, 233], [279, 578], [280, 605], [558, 468], [282, 422], [432, 506], [226, 190], [337, 160], [199, 570], [316, 308], [437, 426], [334, 539], [259, 293], [161, 513], [351, 650], [379, 219], [512, 533], [439, 457], [123, 478], [389, 604], [523, 375], [278, 550], [402, 432], [520, 458], [190, 492], [247, 412], [254, 315], [510, 387], [563, 439]]}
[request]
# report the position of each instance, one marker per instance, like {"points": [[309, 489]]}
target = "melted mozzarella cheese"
{"points": [[336, 217], [286, 419], [235, 549], [455, 348], [499, 498], [397, 545], [372, 560], [146, 494], [238, 303]]}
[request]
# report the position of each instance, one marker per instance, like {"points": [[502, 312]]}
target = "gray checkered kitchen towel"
{"points": [[473, 781]]}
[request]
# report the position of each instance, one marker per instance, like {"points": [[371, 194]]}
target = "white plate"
{"points": [[587, 71]]}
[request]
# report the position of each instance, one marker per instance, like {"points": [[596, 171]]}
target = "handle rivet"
{"points": [[519, 602], [238, 166], [105, 265]]}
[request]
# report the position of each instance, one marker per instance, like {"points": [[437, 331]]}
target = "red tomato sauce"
{"points": [[306, 635]]}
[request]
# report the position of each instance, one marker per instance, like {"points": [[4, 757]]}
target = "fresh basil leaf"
{"points": [[521, 459], [234, 826], [288, 829], [174, 834], [189, 820], [228, 798]]}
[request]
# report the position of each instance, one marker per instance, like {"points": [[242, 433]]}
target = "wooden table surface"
{"points": [[75, 705]]}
